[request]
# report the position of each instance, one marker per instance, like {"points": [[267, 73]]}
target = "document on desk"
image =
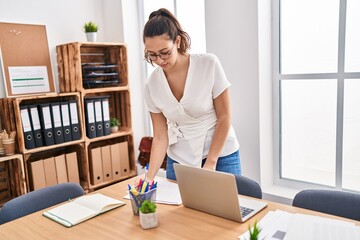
{"points": [[310, 227], [281, 225], [166, 193]]}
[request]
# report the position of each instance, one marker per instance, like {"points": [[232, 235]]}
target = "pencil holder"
{"points": [[137, 200], [9, 146]]}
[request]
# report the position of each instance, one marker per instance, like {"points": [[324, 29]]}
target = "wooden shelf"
{"points": [[71, 57]]}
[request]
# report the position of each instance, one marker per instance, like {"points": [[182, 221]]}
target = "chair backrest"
{"points": [[339, 203], [39, 199], [248, 187]]}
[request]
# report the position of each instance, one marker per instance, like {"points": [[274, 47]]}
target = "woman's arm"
{"points": [[223, 113], [159, 144]]}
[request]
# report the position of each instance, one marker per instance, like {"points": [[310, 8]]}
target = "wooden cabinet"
{"points": [[86, 71], [99, 70]]}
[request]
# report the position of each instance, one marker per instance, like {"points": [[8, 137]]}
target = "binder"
{"points": [[61, 171], [27, 129], [74, 120], [124, 159], [90, 118], [65, 121], [38, 174], [106, 115], [98, 118], [36, 126], [50, 171], [46, 124], [96, 170], [56, 120], [106, 163], [115, 160], [72, 167]]}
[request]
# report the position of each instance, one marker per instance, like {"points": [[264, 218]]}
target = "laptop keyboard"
{"points": [[245, 211]]}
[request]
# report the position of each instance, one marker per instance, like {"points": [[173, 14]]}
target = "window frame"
{"points": [[340, 76]]}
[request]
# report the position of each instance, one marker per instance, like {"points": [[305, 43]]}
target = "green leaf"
{"points": [[91, 27]]}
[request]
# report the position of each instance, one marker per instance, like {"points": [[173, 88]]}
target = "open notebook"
{"points": [[82, 209]]}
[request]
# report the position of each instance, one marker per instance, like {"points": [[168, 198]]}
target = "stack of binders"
{"points": [[52, 123], [97, 116]]}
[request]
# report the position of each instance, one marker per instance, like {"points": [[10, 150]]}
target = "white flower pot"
{"points": [[148, 220], [91, 36], [114, 129]]}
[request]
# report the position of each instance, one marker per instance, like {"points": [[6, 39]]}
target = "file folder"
{"points": [[106, 116], [124, 159], [56, 120], [72, 167], [90, 118], [65, 120], [74, 121], [36, 126], [115, 160], [61, 171], [96, 166], [27, 129], [50, 171], [46, 124], [38, 174], [98, 118], [106, 163]]}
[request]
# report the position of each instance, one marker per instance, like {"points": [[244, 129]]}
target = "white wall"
{"points": [[64, 20], [232, 34]]}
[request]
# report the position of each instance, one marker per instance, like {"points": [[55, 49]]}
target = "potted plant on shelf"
{"points": [[148, 215], [114, 124], [91, 30]]}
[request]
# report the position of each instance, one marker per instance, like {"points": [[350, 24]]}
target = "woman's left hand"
{"points": [[211, 165]]}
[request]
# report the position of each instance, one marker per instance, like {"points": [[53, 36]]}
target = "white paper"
{"points": [[314, 227], [281, 225], [32, 79]]}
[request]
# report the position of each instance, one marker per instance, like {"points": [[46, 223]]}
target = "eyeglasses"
{"points": [[163, 55]]}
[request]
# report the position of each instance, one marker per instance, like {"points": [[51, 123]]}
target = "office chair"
{"points": [[38, 200], [339, 203], [248, 187]]}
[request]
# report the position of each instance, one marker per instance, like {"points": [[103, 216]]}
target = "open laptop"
{"points": [[215, 193]]}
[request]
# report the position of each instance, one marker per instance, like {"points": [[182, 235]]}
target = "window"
{"points": [[317, 74], [191, 15]]}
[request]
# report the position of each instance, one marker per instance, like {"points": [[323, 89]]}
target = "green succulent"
{"points": [[114, 122], [91, 27], [147, 207]]}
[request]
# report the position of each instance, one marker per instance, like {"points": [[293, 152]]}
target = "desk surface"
{"points": [[175, 222]]}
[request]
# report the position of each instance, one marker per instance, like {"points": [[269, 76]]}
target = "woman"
{"points": [[189, 103]]}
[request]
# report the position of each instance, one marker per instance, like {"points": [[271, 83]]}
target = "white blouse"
{"points": [[192, 120]]}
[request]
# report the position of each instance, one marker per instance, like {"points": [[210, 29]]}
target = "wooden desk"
{"points": [[175, 222]]}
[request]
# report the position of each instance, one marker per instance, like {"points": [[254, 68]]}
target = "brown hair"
{"points": [[162, 22]]}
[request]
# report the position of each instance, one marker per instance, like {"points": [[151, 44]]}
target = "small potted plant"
{"points": [[91, 30], [148, 215], [114, 124], [254, 232]]}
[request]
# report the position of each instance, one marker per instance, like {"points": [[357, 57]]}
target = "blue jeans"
{"points": [[229, 164]]}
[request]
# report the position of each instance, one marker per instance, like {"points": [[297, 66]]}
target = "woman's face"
{"points": [[161, 50]]}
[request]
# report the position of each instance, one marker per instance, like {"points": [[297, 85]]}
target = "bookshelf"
{"points": [[97, 70]]}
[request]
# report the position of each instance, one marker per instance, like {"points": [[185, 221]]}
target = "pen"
{"points": [[145, 183], [139, 185], [146, 170], [152, 185], [133, 190]]}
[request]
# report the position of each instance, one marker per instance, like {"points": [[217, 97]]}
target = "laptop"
{"points": [[215, 193]]}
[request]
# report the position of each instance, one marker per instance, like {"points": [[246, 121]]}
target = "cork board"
{"points": [[25, 59]]}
